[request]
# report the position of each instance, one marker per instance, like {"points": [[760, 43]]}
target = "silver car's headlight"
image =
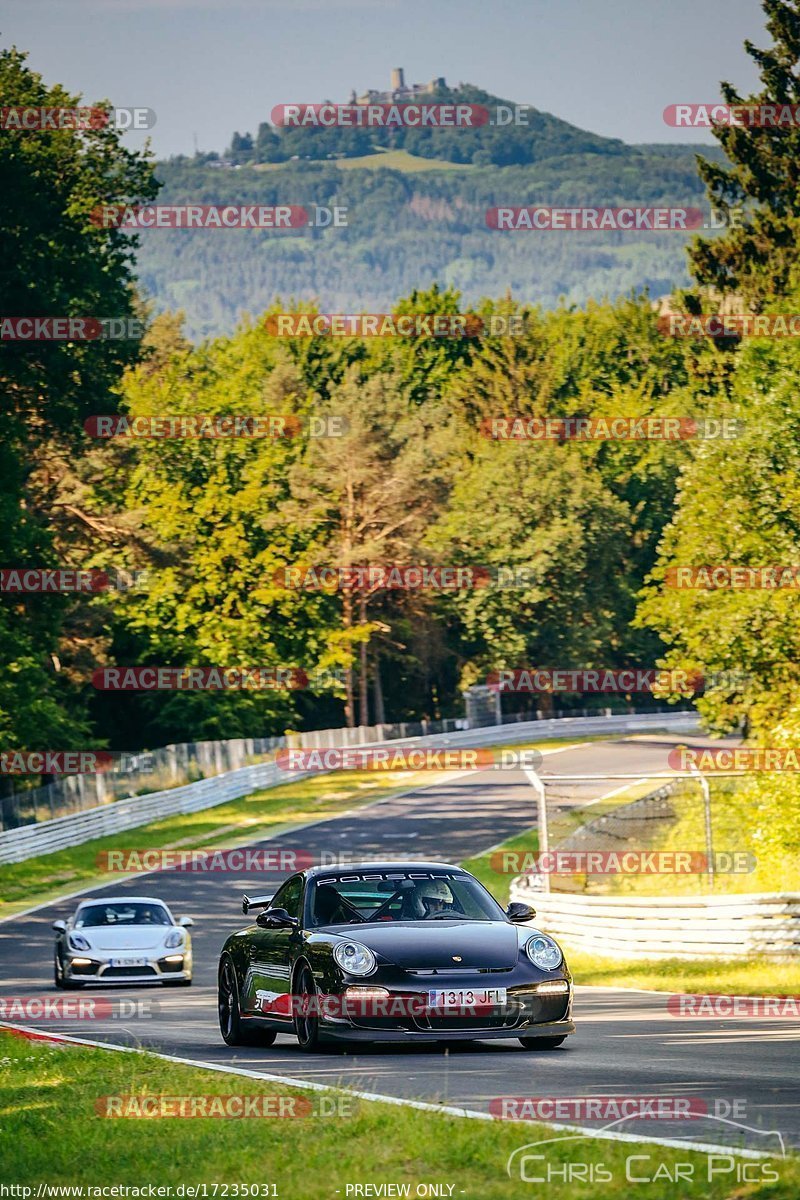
{"points": [[544, 952], [354, 958], [78, 942], [174, 939]]}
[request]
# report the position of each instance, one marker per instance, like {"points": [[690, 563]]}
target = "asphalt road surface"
{"points": [[745, 1070]]}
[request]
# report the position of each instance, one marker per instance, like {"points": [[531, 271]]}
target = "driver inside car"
{"points": [[429, 897]]}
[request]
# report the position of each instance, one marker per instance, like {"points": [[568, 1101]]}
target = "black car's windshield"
{"points": [[134, 913], [400, 896]]}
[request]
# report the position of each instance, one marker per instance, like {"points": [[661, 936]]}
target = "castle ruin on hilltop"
{"points": [[398, 91]]}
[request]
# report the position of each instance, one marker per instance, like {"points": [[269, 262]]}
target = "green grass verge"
{"points": [[754, 977], [52, 1133], [733, 830], [484, 866]]}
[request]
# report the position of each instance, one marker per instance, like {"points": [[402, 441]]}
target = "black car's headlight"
{"points": [[354, 958], [78, 942], [544, 952]]}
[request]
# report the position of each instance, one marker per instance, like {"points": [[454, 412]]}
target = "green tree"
{"points": [[55, 263], [757, 257], [367, 499], [739, 504]]}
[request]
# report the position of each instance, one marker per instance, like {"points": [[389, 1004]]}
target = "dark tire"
{"points": [[67, 984], [541, 1043], [306, 1025], [177, 983], [58, 971], [233, 1031]]}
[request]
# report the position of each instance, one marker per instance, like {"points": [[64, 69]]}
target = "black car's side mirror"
{"points": [[519, 913], [276, 918], [60, 926]]}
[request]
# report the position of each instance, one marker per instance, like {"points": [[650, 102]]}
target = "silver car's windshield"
{"points": [[121, 913]]}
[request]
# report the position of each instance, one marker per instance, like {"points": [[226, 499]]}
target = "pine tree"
{"points": [[757, 256]]}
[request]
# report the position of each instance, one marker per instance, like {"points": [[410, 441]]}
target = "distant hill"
{"points": [[416, 215], [542, 136]]}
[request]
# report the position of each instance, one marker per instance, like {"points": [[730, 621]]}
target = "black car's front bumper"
{"points": [[352, 1033], [524, 1014]]}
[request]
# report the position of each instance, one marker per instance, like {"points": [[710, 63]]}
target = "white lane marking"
{"points": [[607, 796], [398, 1101]]}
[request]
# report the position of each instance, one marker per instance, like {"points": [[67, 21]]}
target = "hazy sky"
{"points": [[208, 67]]}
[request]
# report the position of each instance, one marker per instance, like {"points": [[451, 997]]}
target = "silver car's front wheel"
{"points": [[60, 977]]}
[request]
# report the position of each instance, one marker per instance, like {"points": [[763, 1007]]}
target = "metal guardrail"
{"points": [[685, 927], [132, 774], [45, 837]]}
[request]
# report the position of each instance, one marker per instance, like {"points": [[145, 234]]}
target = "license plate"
{"points": [[467, 998], [127, 962]]}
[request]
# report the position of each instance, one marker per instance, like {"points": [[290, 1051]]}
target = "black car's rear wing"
{"points": [[255, 902]]}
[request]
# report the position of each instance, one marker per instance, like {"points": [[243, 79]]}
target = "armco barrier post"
{"points": [[540, 880], [706, 790]]}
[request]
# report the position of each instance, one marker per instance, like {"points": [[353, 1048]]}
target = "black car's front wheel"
{"points": [[541, 1043], [306, 1021], [231, 1026]]}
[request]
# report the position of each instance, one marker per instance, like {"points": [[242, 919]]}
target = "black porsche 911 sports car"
{"points": [[392, 951]]}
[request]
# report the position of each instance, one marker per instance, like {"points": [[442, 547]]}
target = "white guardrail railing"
{"points": [[45, 837], [686, 927]]}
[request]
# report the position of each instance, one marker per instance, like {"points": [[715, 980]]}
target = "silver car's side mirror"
{"points": [[186, 922], [60, 926]]}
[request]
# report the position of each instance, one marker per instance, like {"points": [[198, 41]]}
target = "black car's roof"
{"points": [[358, 867]]}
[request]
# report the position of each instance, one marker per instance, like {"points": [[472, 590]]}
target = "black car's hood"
{"points": [[423, 944]]}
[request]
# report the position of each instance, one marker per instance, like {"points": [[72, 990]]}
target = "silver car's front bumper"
{"points": [[90, 968]]}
